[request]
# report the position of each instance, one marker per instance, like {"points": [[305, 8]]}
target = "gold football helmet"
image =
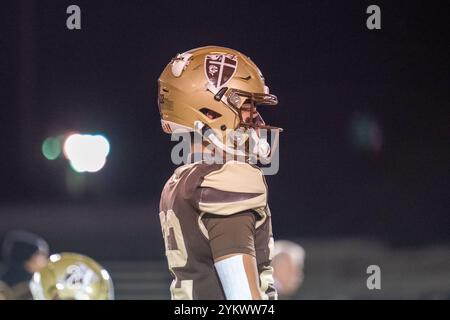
{"points": [[72, 276], [207, 90]]}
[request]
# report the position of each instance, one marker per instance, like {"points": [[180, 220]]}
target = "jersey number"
{"points": [[176, 253]]}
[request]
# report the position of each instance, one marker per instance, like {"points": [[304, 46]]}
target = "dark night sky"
{"points": [[318, 57]]}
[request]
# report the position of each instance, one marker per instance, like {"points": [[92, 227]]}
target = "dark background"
{"points": [[365, 150]]}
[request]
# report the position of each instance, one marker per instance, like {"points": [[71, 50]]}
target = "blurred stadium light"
{"points": [[51, 148], [86, 152], [366, 132]]}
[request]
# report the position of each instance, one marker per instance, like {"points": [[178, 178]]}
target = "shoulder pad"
{"points": [[232, 188]]}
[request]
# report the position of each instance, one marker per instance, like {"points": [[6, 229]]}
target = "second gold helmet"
{"points": [[72, 276]]}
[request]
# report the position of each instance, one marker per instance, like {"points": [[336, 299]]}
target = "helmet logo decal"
{"points": [[78, 276], [220, 68]]}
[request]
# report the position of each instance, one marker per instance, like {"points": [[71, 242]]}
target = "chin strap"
{"points": [[260, 147], [208, 134]]}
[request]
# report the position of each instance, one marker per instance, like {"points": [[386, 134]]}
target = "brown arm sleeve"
{"points": [[231, 234]]}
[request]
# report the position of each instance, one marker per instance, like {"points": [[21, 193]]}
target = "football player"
{"points": [[71, 276], [214, 215]]}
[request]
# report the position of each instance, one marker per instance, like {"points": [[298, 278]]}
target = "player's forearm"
{"points": [[239, 276]]}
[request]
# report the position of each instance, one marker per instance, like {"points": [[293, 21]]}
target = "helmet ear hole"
{"points": [[211, 114]]}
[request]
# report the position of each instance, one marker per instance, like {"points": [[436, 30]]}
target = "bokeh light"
{"points": [[51, 148], [86, 153], [366, 132]]}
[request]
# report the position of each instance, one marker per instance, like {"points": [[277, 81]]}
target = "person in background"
{"points": [[23, 253], [288, 264]]}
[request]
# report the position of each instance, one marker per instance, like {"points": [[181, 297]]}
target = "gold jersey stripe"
{"points": [[236, 177]]}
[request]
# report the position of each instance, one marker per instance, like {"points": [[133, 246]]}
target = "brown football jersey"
{"points": [[211, 210]]}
